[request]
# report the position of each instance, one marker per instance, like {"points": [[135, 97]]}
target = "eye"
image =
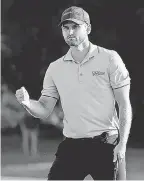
{"points": [[65, 27], [75, 26]]}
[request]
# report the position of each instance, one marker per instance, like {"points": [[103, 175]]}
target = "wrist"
{"points": [[123, 143], [26, 103]]}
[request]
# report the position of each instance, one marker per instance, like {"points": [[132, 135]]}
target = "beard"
{"points": [[72, 42]]}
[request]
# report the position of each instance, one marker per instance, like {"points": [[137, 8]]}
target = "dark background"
{"points": [[117, 25]]}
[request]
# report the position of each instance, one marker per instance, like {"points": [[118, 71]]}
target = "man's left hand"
{"points": [[119, 152]]}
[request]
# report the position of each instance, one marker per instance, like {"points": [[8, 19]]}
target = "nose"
{"points": [[70, 31]]}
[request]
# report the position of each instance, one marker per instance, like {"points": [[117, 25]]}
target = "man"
{"points": [[88, 80], [13, 114], [30, 129]]}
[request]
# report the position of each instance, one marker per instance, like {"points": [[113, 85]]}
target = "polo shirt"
{"points": [[86, 91]]}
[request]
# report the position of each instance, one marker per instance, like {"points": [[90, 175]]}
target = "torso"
{"points": [[86, 95]]}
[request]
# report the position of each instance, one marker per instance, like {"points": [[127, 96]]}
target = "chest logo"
{"points": [[97, 73]]}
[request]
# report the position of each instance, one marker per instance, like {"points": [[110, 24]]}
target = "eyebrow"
{"points": [[66, 25]]}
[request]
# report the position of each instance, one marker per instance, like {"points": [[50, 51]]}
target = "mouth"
{"points": [[71, 37]]}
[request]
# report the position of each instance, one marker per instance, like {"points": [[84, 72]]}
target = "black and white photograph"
{"points": [[72, 90]]}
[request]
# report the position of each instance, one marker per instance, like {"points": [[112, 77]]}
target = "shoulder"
{"points": [[54, 66], [112, 55], [106, 51], [57, 62]]}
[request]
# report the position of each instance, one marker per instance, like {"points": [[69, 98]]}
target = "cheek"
{"points": [[64, 35], [82, 34]]}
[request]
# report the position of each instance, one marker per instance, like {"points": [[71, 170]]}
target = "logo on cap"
{"points": [[75, 14]]}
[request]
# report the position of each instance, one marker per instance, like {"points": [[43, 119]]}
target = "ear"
{"points": [[88, 29]]}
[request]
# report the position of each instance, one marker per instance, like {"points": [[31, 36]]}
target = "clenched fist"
{"points": [[23, 96]]}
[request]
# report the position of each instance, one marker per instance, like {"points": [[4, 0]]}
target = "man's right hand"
{"points": [[23, 96]]}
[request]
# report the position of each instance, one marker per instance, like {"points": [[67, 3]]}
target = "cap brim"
{"points": [[79, 22]]}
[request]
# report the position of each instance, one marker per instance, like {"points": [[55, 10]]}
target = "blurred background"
{"points": [[30, 41]]}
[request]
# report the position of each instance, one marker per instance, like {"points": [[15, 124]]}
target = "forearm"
{"points": [[125, 119], [38, 109]]}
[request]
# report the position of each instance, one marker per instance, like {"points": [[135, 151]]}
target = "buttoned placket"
{"points": [[80, 73], [80, 65], [80, 69]]}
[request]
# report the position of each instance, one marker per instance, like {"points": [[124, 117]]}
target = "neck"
{"points": [[82, 46], [79, 52]]}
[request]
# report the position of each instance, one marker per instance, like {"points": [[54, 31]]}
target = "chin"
{"points": [[71, 43]]}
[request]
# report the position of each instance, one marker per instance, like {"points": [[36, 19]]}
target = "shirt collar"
{"points": [[91, 54], [68, 56]]}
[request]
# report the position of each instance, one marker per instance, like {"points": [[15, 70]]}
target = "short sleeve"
{"points": [[49, 87], [119, 75]]}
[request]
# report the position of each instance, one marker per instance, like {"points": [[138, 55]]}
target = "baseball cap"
{"points": [[75, 14]]}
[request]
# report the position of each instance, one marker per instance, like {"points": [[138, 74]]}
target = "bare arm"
{"points": [[125, 112], [46, 103], [41, 108]]}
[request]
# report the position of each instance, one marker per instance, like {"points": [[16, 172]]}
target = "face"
{"points": [[74, 34]]}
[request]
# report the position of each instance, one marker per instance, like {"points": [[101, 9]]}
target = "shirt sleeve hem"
{"points": [[50, 96], [121, 86]]}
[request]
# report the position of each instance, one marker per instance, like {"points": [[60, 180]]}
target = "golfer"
{"points": [[88, 80]]}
